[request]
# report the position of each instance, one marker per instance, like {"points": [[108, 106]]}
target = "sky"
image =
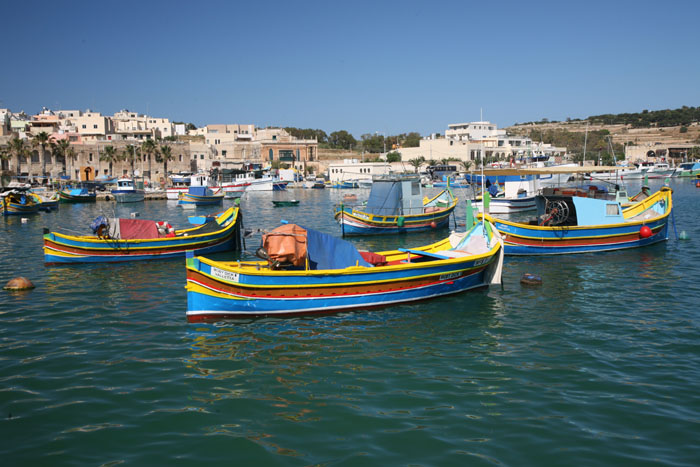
{"points": [[366, 67]]}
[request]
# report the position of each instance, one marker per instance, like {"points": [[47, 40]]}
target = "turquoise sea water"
{"points": [[598, 366]]}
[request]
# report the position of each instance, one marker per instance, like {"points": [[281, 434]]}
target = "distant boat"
{"points": [[16, 202], [200, 196], [689, 169], [345, 184], [396, 205], [76, 195], [127, 191]]}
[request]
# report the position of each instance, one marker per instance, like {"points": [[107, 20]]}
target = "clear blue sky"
{"points": [[361, 66]]}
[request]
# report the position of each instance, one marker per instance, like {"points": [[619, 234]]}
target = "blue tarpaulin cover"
{"points": [[327, 252], [198, 190], [385, 198]]}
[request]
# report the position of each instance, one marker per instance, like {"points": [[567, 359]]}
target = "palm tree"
{"points": [[18, 148], [416, 163], [164, 155], [60, 149], [109, 155], [5, 155], [466, 165], [71, 154], [148, 148], [130, 155], [41, 140]]}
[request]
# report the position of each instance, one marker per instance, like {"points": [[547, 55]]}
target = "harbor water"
{"points": [[600, 365]]}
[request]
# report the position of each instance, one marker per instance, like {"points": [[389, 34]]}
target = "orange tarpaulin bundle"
{"points": [[286, 244]]}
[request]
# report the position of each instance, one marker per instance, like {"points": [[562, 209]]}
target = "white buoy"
{"points": [[24, 220], [134, 214]]}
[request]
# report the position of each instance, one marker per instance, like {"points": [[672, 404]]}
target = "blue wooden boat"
{"points": [[396, 205], [345, 184], [76, 195], [308, 272], [117, 240], [573, 224], [16, 202], [200, 196]]}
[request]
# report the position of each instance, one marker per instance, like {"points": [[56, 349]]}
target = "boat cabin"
{"points": [[568, 211], [395, 195]]}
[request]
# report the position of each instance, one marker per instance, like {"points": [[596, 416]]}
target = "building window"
{"points": [[84, 127], [90, 157], [94, 126], [223, 153], [274, 137], [201, 156], [271, 154], [180, 160]]}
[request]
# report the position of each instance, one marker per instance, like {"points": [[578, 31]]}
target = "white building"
{"points": [[352, 169]]}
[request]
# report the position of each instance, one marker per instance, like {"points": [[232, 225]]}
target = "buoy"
{"points": [[683, 235], [697, 184], [530, 279], [645, 232], [399, 221], [433, 224], [24, 220], [19, 283]]}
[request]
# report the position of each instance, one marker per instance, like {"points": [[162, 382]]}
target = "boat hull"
{"points": [[64, 197], [195, 200], [128, 196], [15, 208]]}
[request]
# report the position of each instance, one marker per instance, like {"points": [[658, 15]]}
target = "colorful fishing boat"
{"points": [[200, 196], [308, 272], [16, 202], [688, 169], [76, 195], [345, 184], [116, 240], [572, 224], [45, 203], [396, 205], [127, 191]]}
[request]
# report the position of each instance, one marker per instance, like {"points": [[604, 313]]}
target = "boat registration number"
{"points": [[225, 275], [452, 275]]}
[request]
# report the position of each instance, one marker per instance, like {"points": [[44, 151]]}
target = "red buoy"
{"points": [[433, 224], [645, 232], [697, 184]]}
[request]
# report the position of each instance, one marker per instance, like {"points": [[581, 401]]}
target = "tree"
{"points": [[109, 155], [466, 165], [412, 140], [41, 140], [18, 148], [416, 163], [60, 149], [341, 140], [164, 155], [71, 155], [130, 155], [5, 155], [393, 157], [148, 148]]}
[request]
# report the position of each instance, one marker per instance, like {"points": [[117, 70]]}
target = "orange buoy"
{"points": [[19, 283], [697, 184], [645, 232]]}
